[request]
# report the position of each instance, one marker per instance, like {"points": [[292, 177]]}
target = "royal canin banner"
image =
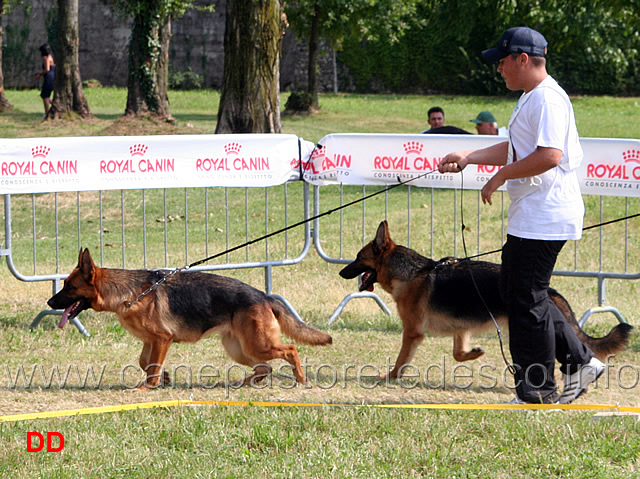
{"points": [[38, 165], [610, 167]]}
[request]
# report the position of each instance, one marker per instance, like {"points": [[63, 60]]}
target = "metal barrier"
{"points": [[432, 219], [154, 228]]}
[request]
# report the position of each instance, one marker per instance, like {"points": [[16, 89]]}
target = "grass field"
{"points": [[51, 370]]}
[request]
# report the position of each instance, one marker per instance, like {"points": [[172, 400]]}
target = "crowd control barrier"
{"points": [[129, 200], [428, 212]]}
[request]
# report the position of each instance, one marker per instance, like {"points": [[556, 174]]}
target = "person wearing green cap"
{"points": [[486, 124]]}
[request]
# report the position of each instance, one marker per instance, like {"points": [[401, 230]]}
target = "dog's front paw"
{"points": [[476, 352], [390, 376]]}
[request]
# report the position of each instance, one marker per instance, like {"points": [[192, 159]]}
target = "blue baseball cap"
{"points": [[517, 40]]}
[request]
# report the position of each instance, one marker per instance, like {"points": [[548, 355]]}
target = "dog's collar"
{"points": [[446, 262]]}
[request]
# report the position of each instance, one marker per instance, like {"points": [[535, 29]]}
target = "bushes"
{"points": [[594, 48], [188, 80]]}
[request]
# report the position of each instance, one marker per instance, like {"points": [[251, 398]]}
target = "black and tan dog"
{"points": [[440, 297], [185, 308]]}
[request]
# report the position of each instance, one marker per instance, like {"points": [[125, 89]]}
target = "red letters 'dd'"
{"points": [[41, 442]]}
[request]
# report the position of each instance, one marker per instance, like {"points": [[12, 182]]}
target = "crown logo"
{"points": [[232, 148], [295, 163], [631, 155], [138, 150], [413, 147], [40, 151], [319, 152]]}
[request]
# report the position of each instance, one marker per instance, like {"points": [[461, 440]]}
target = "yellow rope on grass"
{"points": [[173, 403]]}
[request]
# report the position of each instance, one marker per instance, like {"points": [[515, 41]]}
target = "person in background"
{"points": [[48, 73], [539, 162], [486, 124], [435, 117], [436, 121]]}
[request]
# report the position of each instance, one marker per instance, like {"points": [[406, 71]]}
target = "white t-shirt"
{"points": [[547, 206]]}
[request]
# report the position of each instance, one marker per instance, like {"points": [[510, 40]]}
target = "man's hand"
{"points": [[492, 185], [453, 162]]}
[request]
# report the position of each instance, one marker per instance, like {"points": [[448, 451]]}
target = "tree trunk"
{"points": [[148, 81], [314, 38], [4, 102], [67, 87], [250, 98]]}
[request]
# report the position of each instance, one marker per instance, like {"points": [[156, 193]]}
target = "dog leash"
{"points": [[155, 285], [586, 228], [510, 366], [308, 220]]}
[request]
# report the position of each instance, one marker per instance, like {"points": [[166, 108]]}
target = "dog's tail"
{"points": [[614, 342], [296, 329]]}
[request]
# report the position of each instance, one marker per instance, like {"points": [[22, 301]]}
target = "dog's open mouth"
{"points": [[71, 312], [367, 280]]}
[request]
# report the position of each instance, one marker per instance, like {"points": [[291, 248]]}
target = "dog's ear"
{"points": [[382, 239], [86, 264]]}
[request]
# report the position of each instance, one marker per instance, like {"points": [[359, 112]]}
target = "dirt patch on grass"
{"points": [[148, 125]]}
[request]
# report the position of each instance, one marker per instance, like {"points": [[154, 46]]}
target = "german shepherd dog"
{"points": [[187, 307], [441, 297]]}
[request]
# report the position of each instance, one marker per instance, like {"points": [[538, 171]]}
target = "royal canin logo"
{"points": [[233, 161], [232, 148], [40, 151], [138, 163], [319, 152], [138, 150], [413, 158], [413, 147], [295, 163], [38, 165], [631, 156], [624, 171], [321, 163]]}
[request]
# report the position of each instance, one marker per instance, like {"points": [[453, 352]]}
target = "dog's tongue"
{"points": [[65, 316], [363, 279]]}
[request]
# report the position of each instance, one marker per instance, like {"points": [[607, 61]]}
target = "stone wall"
{"points": [[197, 44]]}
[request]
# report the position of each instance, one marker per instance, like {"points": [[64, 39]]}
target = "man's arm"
{"points": [[541, 160], [492, 155]]}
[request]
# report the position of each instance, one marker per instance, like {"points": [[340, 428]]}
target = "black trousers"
{"points": [[538, 332]]}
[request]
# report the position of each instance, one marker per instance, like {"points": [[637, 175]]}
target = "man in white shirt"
{"points": [[539, 164]]}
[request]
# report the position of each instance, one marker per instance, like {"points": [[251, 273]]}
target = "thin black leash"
{"points": [[510, 366], [586, 228], [300, 223], [269, 235]]}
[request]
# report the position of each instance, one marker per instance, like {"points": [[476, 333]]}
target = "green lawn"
{"points": [[50, 369]]}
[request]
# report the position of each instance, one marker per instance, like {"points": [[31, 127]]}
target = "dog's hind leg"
{"points": [[234, 349], [461, 347], [258, 333]]}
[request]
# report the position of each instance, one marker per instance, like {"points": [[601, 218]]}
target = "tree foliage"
{"points": [[334, 20], [594, 46]]}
